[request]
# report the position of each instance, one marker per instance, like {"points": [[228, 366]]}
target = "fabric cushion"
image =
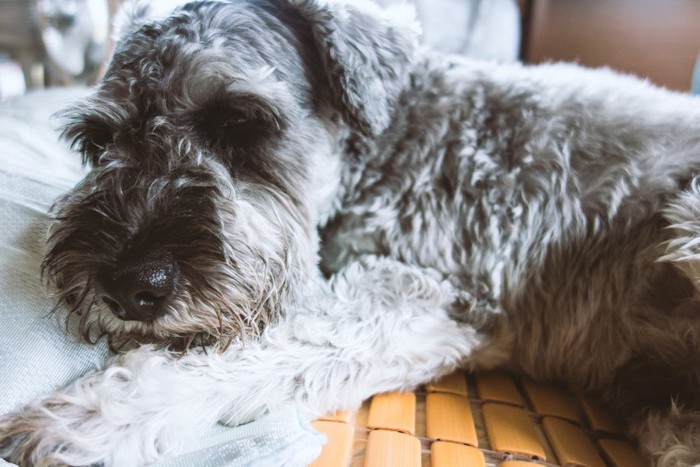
{"points": [[36, 354]]}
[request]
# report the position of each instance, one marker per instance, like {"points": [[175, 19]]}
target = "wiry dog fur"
{"points": [[544, 219]]}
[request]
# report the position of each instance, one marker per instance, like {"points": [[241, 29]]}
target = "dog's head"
{"points": [[211, 142]]}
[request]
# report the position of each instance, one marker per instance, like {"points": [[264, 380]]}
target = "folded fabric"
{"points": [[480, 29], [283, 438]]}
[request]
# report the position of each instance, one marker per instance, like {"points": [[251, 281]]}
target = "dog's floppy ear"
{"points": [[366, 52]]}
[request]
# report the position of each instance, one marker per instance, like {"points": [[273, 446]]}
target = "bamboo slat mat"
{"points": [[488, 419]]}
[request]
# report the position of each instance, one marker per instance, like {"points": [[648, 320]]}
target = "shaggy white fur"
{"points": [[381, 326]]}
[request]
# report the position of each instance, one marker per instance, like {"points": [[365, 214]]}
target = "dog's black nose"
{"points": [[138, 290]]}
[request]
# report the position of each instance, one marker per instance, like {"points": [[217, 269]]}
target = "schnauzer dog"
{"points": [[333, 212]]}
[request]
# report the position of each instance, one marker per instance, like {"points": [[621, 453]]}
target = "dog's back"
{"points": [[568, 198]]}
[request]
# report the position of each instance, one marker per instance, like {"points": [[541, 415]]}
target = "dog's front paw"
{"points": [[70, 428], [16, 442], [115, 416], [40, 437]]}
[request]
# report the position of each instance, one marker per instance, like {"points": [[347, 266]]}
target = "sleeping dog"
{"points": [[292, 203]]}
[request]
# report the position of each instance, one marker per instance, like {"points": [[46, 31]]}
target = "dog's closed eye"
{"points": [[229, 127], [237, 121]]}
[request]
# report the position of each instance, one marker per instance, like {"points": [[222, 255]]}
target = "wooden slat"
{"points": [[393, 411], [498, 386], [362, 414], [392, 449], [621, 453], [571, 444], [598, 418], [444, 454], [510, 430], [517, 464], [340, 416], [456, 383], [448, 417], [337, 450], [549, 400]]}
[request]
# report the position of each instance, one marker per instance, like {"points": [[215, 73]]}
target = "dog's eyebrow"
{"points": [[255, 94], [212, 72], [262, 74], [273, 98]]}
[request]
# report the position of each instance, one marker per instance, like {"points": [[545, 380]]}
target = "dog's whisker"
{"points": [[240, 325]]}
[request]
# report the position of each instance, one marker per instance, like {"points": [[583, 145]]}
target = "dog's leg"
{"points": [[670, 437], [658, 390], [380, 326], [663, 375], [683, 250]]}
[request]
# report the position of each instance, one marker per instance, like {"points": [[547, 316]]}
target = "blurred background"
{"points": [[67, 42]]}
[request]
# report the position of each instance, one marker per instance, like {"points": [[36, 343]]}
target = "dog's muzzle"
{"points": [[138, 290]]}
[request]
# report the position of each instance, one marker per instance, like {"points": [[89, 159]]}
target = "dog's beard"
{"points": [[212, 313], [247, 250]]}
